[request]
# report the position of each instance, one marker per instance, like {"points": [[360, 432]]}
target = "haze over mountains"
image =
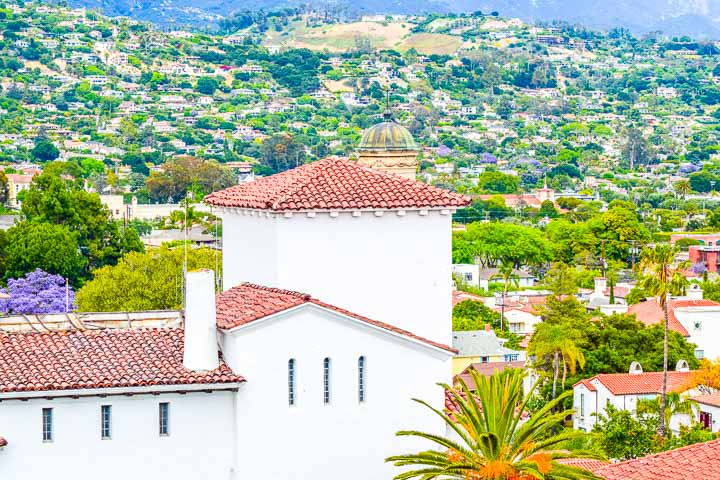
{"points": [[695, 18]]}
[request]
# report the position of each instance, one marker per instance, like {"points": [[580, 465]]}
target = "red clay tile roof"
{"points": [[641, 383], [650, 312], [710, 399], [249, 302], [488, 369], [69, 360], [700, 461], [459, 296], [589, 464], [3, 442], [587, 384], [334, 184]]}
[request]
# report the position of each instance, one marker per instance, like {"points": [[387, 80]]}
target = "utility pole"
{"points": [[603, 257]]}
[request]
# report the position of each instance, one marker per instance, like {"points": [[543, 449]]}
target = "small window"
{"points": [[361, 379], [291, 382], [164, 419], [47, 424], [326, 380], [582, 404], [105, 422]]}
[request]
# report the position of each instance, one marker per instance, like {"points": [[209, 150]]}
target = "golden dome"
{"points": [[387, 136]]}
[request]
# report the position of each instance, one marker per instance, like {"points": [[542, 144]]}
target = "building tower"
{"points": [[388, 146]]}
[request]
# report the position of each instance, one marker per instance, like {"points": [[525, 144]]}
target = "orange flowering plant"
{"points": [[491, 436]]}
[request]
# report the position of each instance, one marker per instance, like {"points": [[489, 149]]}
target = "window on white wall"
{"points": [[326, 380], [47, 424], [106, 422], [164, 419], [362, 370], [582, 404], [291, 382]]}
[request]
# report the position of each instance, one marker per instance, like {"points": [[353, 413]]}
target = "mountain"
{"points": [[695, 18]]}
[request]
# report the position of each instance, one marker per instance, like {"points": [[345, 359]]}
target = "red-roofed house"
{"points": [[700, 461], [16, 184], [696, 319], [709, 410], [623, 390]]}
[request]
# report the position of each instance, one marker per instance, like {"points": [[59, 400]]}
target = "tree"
{"points": [[185, 174], [682, 188], [473, 315], [497, 182], [143, 281], [509, 277], [557, 344], [37, 292], [675, 405], [4, 189], [206, 85], [493, 443], [622, 436], [44, 150], [492, 243], [36, 245], [279, 153], [660, 277], [101, 240], [636, 150]]}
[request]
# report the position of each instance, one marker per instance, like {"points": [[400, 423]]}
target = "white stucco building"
{"points": [[262, 381], [623, 391]]}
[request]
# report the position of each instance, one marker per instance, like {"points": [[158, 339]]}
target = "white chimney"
{"points": [[600, 286], [201, 346], [694, 292]]}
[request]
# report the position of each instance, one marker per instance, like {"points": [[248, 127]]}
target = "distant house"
{"points": [[709, 411], [16, 184], [623, 391], [695, 319], [481, 346], [479, 277]]}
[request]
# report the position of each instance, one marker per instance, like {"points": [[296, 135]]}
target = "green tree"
{"points": [[473, 315], [498, 182], [620, 435], [206, 85], [143, 281], [101, 240], [493, 443], [675, 405], [4, 189], [49, 247], [44, 150], [662, 276]]}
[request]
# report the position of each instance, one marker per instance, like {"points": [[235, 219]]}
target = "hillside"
{"points": [[696, 18]]}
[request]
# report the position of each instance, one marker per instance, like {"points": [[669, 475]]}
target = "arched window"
{"points": [[361, 378], [291, 382], [326, 380]]}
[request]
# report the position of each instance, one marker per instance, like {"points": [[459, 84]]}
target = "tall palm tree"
{"points": [[662, 277], [682, 188], [557, 342], [493, 441], [675, 405], [507, 273]]}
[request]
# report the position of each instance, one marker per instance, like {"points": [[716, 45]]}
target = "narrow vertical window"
{"points": [[582, 404], [105, 422], [164, 419], [326, 380], [361, 378], [47, 424], [291, 382]]}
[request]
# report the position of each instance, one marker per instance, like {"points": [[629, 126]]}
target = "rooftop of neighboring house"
{"points": [[480, 343], [700, 461], [712, 399], [650, 312], [643, 383], [488, 369]]}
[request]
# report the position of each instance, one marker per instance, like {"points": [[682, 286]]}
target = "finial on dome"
{"points": [[387, 114]]}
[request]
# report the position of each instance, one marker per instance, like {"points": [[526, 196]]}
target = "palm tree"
{"points": [[557, 342], [661, 277], [675, 405], [682, 188], [509, 277], [493, 441]]}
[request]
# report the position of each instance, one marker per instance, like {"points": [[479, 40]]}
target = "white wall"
{"points": [[392, 268], [344, 439], [136, 450], [703, 325]]}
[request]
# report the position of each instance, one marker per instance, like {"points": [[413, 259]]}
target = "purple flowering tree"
{"points": [[36, 292], [698, 268]]}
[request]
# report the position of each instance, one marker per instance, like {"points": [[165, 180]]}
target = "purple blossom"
{"points": [[688, 168], [444, 151], [37, 292], [488, 158], [698, 268]]}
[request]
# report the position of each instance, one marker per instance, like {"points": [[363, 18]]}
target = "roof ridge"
{"points": [[663, 453], [304, 296]]}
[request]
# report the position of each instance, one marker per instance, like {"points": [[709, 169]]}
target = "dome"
{"points": [[387, 136]]}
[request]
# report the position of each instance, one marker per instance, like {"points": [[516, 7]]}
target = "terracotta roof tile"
{"points": [[69, 360], [487, 369], [710, 399], [589, 464], [650, 312], [700, 461], [334, 184], [640, 383], [249, 302]]}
